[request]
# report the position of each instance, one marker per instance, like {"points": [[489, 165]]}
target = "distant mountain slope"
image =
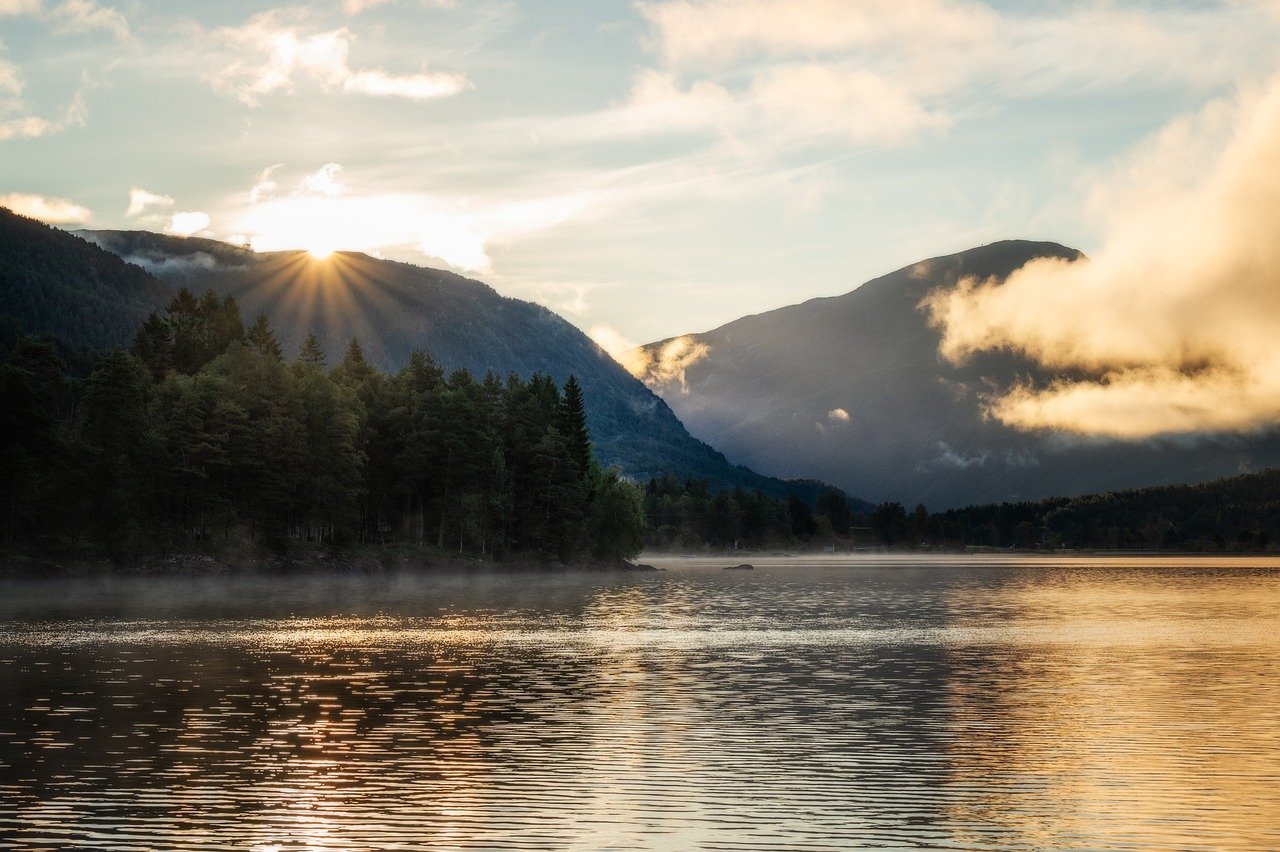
{"points": [[395, 307], [851, 389], [54, 283]]}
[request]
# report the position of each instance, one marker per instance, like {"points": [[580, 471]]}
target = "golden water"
{"points": [[821, 703]]}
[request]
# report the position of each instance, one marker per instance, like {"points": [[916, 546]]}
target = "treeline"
{"points": [[204, 435], [688, 515], [1239, 513]]}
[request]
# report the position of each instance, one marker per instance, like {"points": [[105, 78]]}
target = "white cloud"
{"points": [[188, 223], [721, 30], [263, 184], [55, 211], [78, 16], [611, 340], [838, 415], [33, 126], [266, 55], [776, 73], [322, 182], [19, 7], [781, 106], [355, 7], [140, 200], [1175, 322], [665, 366], [421, 87]]}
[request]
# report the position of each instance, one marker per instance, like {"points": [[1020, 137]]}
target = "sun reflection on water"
{"points": [[816, 707]]}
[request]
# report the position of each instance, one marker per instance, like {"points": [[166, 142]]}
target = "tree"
{"points": [[262, 338], [889, 523], [32, 385], [114, 430], [573, 423], [802, 525], [617, 522], [835, 507], [311, 353]]}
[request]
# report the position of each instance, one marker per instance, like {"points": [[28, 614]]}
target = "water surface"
{"points": [[820, 703]]}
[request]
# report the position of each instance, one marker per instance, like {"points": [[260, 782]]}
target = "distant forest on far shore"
{"points": [[1240, 514]]}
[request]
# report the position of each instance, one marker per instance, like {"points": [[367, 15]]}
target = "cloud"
{"points": [[668, 364], [79, 16], [27, 126], [19, 7], [838, 415], [267, 55], [263, 183], [188, 223], [621, 348], [355, 7], [1174, 326], [140, 200], [720, 30], [321, 182], [321, 213], [11, 84], [611, 340], [169, 265], [780, 105], [54, 211], [772, 74], [947, 457], [420, 87]]}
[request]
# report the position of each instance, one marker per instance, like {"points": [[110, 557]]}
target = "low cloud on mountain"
{"points": [[1173, 327]]}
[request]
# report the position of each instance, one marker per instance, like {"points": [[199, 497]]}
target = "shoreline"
{"points": [[312, 562]]}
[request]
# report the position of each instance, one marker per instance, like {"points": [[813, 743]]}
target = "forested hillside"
{"points": [[54, 283], [204, 435], [395, 308], [1238, 513]]}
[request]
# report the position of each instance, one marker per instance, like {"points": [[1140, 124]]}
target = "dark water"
{"points": [[807, 704]]}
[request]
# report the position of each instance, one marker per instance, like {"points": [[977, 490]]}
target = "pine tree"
{"points": [[116, 433], [311, 352], [263, 339], [573, 423], [353, 370]]}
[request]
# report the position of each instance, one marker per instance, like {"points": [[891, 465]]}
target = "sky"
{"points": [[652, 168]]}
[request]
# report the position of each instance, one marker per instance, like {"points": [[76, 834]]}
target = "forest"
{"points": [[202, 435], [1239, 514]]}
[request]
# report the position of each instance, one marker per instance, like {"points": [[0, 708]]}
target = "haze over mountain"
{"points": [[63, 284], [851, 388]]}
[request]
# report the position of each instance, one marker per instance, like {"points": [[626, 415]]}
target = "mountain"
{"points": [[851, 389], [54, 283], [394, 308]]}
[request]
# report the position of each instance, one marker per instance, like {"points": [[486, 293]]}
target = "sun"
{"points": [[320, 252]]}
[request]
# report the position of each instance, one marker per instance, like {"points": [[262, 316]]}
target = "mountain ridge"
{"points": [[392, 308], [852, 384]]}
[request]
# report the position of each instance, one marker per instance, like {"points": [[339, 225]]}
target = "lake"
{"points": [[835, 702]]}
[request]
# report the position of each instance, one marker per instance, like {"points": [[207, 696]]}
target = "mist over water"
{"points": [[821, 703]]}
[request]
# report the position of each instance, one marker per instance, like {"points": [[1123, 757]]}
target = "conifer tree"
{"points": [[262, 338], [573, 423], [311, 352]]}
